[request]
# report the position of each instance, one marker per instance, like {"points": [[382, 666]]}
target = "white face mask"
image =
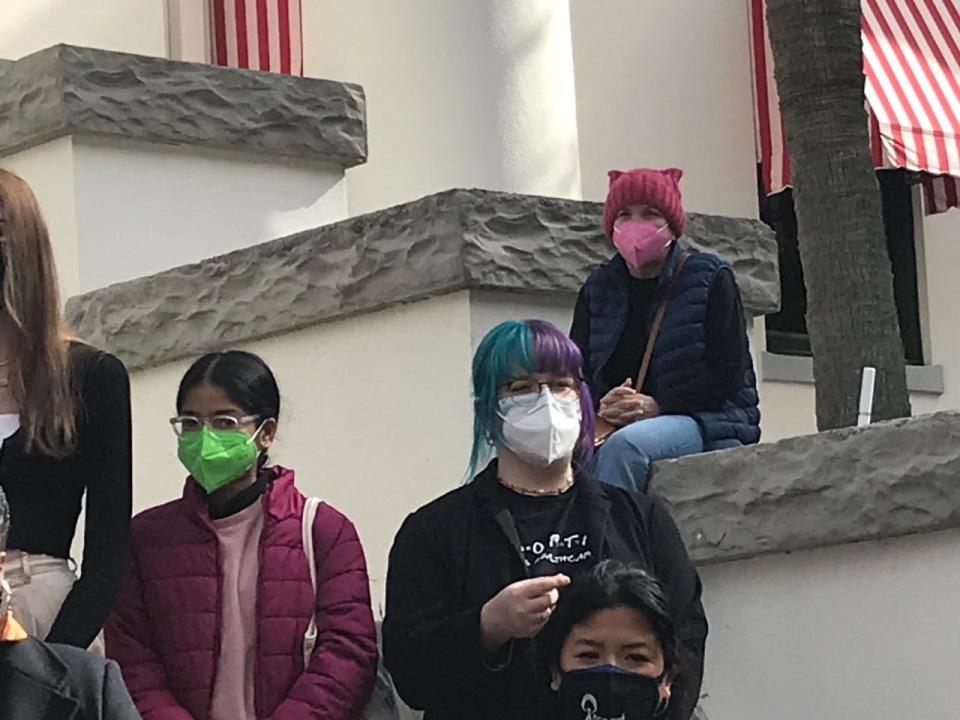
{"points": [[540, 429]]}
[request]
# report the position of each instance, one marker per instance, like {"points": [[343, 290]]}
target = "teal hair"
{"points": [[505, 353], [513, 349]]}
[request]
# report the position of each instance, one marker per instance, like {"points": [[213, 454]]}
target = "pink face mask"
{"points": [[641, 243]]}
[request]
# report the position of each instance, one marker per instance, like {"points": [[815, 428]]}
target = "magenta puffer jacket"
{"points": [[165, 630]]}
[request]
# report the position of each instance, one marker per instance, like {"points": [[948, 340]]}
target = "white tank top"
{"points": [[9, 424]]}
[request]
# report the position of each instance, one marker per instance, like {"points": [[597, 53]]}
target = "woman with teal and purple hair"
{"points": [[475, 574], [518, 365]]}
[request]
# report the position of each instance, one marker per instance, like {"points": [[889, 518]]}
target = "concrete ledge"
{"points": [[455, 240], [797, 369], [843, 486], [68, 90]]}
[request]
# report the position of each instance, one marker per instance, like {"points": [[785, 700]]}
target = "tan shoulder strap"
{"points": [[658, 322]]}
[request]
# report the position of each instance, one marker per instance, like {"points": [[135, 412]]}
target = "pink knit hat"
{"points": [[660, 188]]}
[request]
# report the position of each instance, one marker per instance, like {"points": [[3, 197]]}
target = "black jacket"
{"points": [[43, 681], [453, 555]]}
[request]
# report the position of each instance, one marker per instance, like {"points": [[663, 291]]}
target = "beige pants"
{"points": [[40, 584]]}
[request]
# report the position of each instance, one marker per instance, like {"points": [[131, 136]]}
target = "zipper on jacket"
{"points": [[219, 619], [257, 695]]}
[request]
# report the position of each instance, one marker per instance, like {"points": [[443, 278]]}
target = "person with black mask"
{"points": [[49, 681], [476, 574], [611, 646]]}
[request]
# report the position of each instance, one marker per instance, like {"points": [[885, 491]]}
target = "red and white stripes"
{"points": [[258, 35], [911, 57], [941, 193], [911, 54], [771, 136]]}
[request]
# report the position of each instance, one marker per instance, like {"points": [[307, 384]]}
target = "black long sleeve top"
{"points": [[45, 494]]}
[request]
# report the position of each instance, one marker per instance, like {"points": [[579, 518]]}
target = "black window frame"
{"points": [[786, 331]]}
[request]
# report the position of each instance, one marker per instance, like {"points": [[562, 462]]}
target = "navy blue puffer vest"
{"points": [[678, 355]]}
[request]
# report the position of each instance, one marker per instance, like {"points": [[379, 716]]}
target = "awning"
{"points": [[911, 54]]}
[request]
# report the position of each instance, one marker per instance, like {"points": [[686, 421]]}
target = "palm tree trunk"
{"points": [[851, 314]]}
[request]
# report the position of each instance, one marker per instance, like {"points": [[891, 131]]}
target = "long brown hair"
{"points": [[39, 373]]}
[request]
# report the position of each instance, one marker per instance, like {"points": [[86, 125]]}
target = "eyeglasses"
{"points": [[191, 423], [527, 390]]}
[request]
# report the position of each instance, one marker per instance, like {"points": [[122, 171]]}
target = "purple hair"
{"points": [[556, 353]]}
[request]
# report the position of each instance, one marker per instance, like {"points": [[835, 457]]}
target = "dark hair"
{"points": [[610, 584], [244, 377], [4, 520]]}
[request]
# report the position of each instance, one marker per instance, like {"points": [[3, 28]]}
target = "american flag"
{"points": [[258, 35]]}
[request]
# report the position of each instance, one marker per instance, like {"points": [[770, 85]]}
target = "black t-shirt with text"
{"points": [[552, 531]]}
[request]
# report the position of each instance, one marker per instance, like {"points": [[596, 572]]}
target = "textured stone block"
{"points": [[531, 243], [68, 90], [837, 487], [455, 240]]}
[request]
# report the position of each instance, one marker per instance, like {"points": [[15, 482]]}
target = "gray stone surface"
{"points": [[530, 243], [843, 486], [455, 240], [68, 90]]}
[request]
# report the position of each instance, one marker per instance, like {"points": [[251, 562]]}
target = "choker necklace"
{"points": [[567, 484]]}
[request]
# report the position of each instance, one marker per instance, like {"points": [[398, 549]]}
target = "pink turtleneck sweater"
{"points": [[233, 688]]}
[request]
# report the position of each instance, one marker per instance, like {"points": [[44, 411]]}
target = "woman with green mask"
{"points": [[220, 618]]}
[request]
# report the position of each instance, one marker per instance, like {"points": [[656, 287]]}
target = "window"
{"points": [[787, 330]]}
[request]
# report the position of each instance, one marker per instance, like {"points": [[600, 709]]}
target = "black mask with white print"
{"points": [[609, 693]]}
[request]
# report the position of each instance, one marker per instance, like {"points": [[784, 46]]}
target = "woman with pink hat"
{"points": [[663, 338]]}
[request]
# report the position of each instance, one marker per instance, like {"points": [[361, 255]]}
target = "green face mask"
{"points": [[217, 457]]}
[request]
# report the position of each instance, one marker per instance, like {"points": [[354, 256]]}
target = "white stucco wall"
{"points": [[489, 309], [786, 409], [941, 255], [137, 26], [119, 211], [49, 170], [459, 94], [655, 83], [142, 209], [189, 31], [859, 632], [663, 84], [376, 416]]}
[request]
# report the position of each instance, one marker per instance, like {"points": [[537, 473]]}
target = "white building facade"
{"points": [[534, 97]]}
